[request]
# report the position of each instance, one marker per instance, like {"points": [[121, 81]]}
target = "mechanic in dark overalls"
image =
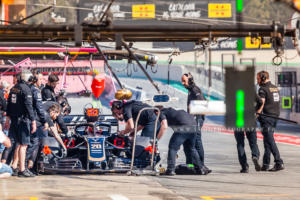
{"points": [[195, 93], [48, 93], [239, 135], [185, 132], [53, 111], [269, 95], [21, 114], [65, 110], [39, 112], [8, 153], [49, 98], [128, 111], [50, 113]]}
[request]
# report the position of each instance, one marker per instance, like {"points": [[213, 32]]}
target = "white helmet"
{"points": [[26, 75]]}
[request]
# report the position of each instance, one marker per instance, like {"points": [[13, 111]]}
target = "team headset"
{"points": [[117, 105], [190, 78], [66, 103], [263, 76], [33, 79]]}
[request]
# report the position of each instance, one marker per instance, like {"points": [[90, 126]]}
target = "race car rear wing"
{"points": [[73, 120]]}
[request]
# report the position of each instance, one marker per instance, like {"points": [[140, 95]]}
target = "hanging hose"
{"points": [[129, 70], [153, 68], [91, 62], [134, 67], [63, 83]]}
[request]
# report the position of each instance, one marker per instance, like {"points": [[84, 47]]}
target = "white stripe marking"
{"points": [[74, 119], [117, 197], [4, 188]]}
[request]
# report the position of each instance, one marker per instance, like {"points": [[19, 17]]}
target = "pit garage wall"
{"points": [[176, 71], [188, 62]]}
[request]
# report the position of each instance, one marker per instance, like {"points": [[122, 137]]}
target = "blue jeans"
{"points": [[5, 169], [268, 125], [35, 140], [148, 129], [198, 142], [187, 139], [2, 147], [252, 139]]}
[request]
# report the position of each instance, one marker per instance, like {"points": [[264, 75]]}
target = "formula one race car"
{"points": [[95, 147]]}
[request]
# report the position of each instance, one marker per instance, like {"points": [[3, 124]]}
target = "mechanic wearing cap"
{"points": [[195, 93], [269, 95], [48, 93], [5, 170], [128, 111], [239, 135], [21, 114], [185, 132]]}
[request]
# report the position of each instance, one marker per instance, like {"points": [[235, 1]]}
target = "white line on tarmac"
{"points": [[117, 197], [4, 189]]}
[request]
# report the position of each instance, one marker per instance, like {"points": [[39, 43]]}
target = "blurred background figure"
{"points": [[5, 170]]}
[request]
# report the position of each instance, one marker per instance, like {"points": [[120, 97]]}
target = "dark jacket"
{"points": [[39, 111], [48, 93], [270, 93], [195, 93], [59, 120], [19, 102], [3, 103]]}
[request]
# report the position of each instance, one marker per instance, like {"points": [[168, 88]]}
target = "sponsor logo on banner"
{"points": [[255, 43], [143, 11], [217, 10]]}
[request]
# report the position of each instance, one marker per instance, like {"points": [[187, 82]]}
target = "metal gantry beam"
{"points": [[137, 32], [107, 64]]}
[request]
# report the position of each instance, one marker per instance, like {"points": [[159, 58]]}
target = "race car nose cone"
{"points": [[98, 86]]}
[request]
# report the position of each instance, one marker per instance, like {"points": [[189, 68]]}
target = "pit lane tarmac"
{"points": [[225, 182]]}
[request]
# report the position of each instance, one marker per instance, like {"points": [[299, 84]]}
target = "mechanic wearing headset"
{"points": [[269, 95], [185, 131], [21, 114], [39, 112], [128, 111], [48, 93], [195, 93]]}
